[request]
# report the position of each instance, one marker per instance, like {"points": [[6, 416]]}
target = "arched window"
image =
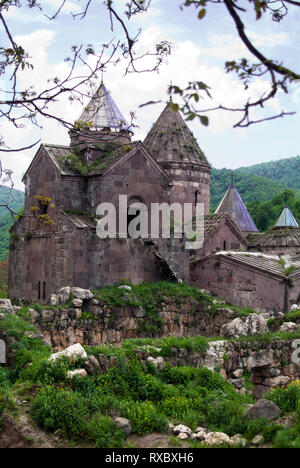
{"points": [[133, 199], [196, 197], [224, 245]]}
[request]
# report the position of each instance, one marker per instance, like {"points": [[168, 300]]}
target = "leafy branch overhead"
{"points": [[33, 104], [279, 77]]}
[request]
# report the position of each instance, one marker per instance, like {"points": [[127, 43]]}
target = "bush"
{"points": [[104, 432], [286, 398], [6, 400], [226, 416], [45, 372], [144, 417], [254, 427], [131, 380], [284, 439], [56, 408], [177, 375], [270, 431], [4, 378]]}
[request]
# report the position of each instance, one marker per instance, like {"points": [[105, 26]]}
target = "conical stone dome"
{"points": [[233, 204], [170, 140]]}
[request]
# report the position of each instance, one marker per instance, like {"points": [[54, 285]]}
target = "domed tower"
{"points": [[100, 126], [174, 147]]}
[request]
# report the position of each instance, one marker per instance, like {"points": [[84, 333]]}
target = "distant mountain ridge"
{"points": [[251, 187], [285, 171]]}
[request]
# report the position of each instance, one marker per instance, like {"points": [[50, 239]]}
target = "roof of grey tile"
{"points": [[262, 262], [278, 236], [57, 153], [107, 160], [102, 112], [170, 140], [233, 204], [253, 238]]}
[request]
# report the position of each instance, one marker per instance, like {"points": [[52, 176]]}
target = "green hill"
{"points": [[15, 199], [285, 171], [251, 187]]}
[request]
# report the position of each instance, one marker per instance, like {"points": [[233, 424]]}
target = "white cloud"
{"points": [[68, 7], [34, 15], [25, 16], [188, 62], [269, 40]]}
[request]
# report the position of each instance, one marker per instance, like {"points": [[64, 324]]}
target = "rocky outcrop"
{"points": [[72, 352], [252, 325], [124, 424], [217, 438], [6, 307], [263, 409], [289, 327]]}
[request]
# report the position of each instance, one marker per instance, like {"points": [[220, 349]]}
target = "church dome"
{"points": [[170, 140]]}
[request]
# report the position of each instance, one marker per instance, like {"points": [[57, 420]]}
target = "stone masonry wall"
{"points": [[93, 323], [270, 363], [241, 285]]}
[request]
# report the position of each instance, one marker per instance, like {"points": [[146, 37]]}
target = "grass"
{"points": [[242, 311], [292, 316], [149, 397], [3, 291]]}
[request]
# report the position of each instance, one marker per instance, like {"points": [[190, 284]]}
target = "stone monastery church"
{"points": [[54, 244]]}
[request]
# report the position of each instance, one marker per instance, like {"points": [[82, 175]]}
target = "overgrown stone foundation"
{"points": [[77, 316], [94, 323]]}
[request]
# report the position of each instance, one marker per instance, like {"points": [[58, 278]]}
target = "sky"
{"points": [[199, 50]]}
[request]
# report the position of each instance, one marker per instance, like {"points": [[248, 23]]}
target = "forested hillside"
{"points": [[15, 198], [251, 187], [266, 213], [286, 171]]}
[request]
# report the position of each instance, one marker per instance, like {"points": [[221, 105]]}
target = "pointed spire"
{"points": [[171, 141], [103, 113], [233, 204], [286, 218]]}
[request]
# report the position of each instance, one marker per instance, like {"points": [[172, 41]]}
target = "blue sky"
{"points": [[200, 49]]}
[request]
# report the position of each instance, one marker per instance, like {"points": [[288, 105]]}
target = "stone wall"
{"points": [[225, 237], [94, 323], [270, 363], [242, 285]]}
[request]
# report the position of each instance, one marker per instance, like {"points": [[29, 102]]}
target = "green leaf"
{"points": [[201, 13], [175, 107], [191, 116], [204, 120]]}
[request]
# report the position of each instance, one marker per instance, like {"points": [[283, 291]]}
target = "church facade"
{"points": [[55, 242]]}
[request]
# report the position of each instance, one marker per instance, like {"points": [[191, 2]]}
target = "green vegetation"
{"points": [[15, 198], [251, 187], [82, 408], [266, 213], [285, 171], [150, 296]]}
